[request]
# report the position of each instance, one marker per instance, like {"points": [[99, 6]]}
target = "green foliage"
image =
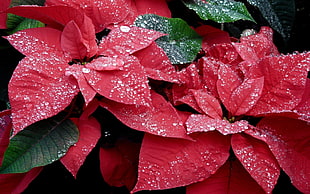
{"points": [[181, 43], [39, 144], [220, 11], [279, 13]]}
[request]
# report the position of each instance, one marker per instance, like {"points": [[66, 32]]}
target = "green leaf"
{"points": [[181, 44], [279, 13], [16, 23], [27, 2], [39, 144], [220, 11]]}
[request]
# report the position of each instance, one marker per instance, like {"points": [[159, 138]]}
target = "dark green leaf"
{"points": [[220, 11], [181, 44], [16, 23], [27, 2], [39, 144], [279, 13]]}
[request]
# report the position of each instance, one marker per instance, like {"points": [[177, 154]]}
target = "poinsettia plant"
{"points": [[165, 102]]}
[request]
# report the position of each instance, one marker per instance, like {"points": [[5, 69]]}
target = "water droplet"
{"points": [[125, 28]]}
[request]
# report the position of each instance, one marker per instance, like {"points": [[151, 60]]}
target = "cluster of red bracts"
{"points": [[249, 104]]}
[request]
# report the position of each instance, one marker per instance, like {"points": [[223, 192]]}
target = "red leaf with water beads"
{"points": [[39, 87], [89, 134], [257, 159], [158, 7], [203, 123], [245, 96], [168, 163], [212, 36], [129, 86], [157, 64], [17, 183], [5, 131], [3, 15], [126, 40], [119, 164], [288, 140], [208, 103], [285, 79], [102, 12], [159, 119], [254, 47], [56, 16], [79, 40], [230, 178]]}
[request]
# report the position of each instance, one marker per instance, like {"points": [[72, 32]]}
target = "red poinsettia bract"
{"points": [[249, 126], [59, 64]]}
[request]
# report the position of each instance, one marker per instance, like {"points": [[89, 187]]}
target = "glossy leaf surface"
{"points": [[39, 144], [181, 43], [219, 10]]}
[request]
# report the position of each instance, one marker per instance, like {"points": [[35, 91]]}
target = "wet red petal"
{"points": [[17, 183], [129, 86], [208, 103], [257, 159], [288, 139], [126, 40], [102, 12], [203, 123], [119, 164], [284, 82], [158, 7], [245, 96], [39, 87], [3, 16], [5, 131], [89, 134], [77, 71], [229, 179], [168, 163], [106, 64], [157, 64], [254, 47], [159, 119]]}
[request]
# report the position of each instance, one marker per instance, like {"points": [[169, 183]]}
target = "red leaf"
{"points": [[245, 96], [39, 87], [231, 178], [210, 68], [72, 41], [119, 164], [304, 106], [157, 64], [288, 139], [158, 7], [129, 86], [106, 64], [160, 119], [208, 103], [168, 163], [5, 130], [254, 47], [126, 40], [284, 84], [257, 159], [3, 15], [77, 72], [226, 54], [102, 12], [17, 183], [203, 123], [212, 36], [56, 16], [79, 39], [89, 133]]}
